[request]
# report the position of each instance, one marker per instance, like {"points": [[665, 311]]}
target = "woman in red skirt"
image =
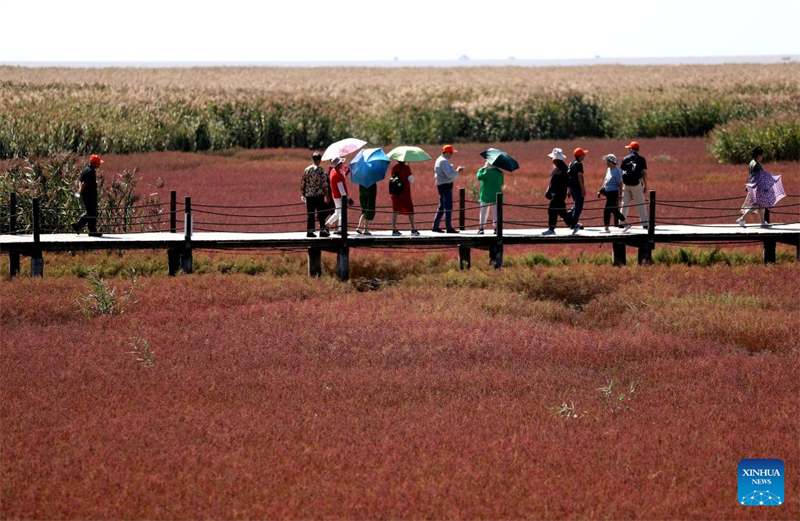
{"points": [[400, 193]]}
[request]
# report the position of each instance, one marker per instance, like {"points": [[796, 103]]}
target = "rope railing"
{"points": [[689, 214]]}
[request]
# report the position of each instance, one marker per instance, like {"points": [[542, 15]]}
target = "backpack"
{"points": [[630, 174], [396, 185]]}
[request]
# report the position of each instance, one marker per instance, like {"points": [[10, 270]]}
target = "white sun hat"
{"points": [[557, 154]]}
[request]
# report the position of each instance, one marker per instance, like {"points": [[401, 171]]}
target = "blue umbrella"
{"points": [[369, 166], [500, 159]]}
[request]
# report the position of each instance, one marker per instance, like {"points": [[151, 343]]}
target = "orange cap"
{"points": [[633, 144], [449, 148], [579, 152], [94, 158]]}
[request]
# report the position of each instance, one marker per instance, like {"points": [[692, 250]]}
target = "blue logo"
{"points": [[761, 482]]}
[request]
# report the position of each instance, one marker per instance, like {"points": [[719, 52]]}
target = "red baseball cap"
{"points": [[633, 144], [579, 152], [94, 158], [449, 148]]}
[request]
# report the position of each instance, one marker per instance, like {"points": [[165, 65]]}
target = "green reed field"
{"points": [[49, 110]]}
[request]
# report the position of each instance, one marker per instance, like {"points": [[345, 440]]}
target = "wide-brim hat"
{"points": [[336, 161], [557, 153], [610, 157]]}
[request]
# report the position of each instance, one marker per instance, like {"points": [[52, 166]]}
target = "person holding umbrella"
{"points": [[367, 168], [445, 175], [491, 179], [400, 184], [338, 186], [557, 193], [88, 194]]}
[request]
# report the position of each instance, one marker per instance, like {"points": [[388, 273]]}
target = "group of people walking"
{"points": [[623, 187], [324, 192]]}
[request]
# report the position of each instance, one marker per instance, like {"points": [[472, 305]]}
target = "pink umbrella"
{"points": [[342, 148]]}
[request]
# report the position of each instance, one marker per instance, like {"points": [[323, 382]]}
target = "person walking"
{"points": [[338, 186], [764, 190], [366, 198], [88, 193], [577, 188], [491, 179], [557, 193], [445, 175], [400, 193], [612, 190], [634, 180], [314, 190]]}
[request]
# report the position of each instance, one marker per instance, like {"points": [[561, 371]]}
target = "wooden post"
{"points": [[314, 262], [13, 257], [188, 225], [343, 255], [798, 248], [173, 211], [646, 252], [173, 261], [37, 261], [618, 253], [769, 251], [496, 254], [464, 252]]}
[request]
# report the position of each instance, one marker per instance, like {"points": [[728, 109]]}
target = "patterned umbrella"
{"points": [[765, 190], [369, 166]]}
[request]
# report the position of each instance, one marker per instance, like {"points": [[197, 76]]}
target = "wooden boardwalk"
{"points": [[179, 246]]}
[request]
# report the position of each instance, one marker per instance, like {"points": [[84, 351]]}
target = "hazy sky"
{"points": [[344, 30]]}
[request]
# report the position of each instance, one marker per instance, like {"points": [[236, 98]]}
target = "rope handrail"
{"points": [[285, 205], [715, 207]]}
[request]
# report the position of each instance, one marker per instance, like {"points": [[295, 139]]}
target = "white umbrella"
{"points": [[342, 148]]}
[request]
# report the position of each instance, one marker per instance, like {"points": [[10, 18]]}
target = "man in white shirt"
{"points": [[445, 176]]}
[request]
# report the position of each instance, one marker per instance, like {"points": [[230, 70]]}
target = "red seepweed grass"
{"points": [[580, 392]]}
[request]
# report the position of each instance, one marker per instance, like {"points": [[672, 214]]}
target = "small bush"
{"points": [[780, 138], [102, 299]]}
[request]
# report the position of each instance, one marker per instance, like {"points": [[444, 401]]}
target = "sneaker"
{"points": [[437, 230], [324, 233], [626, 227], [765, 224], [452, 230], [644, 227], [396, 233], [358, 232], [549, 232], [415, 232], [605, 230], [578, 226], [310, 234], [480, 232], [366, 232], [575, 230], [740, 222]]}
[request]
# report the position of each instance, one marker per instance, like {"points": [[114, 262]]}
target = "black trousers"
{"points": [[558, 208], [315, 205], [89, 218], [611, 208]]}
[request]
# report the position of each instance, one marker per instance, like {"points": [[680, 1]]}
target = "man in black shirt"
{"points": [[88, 193], [634, 180], [577, 189]]}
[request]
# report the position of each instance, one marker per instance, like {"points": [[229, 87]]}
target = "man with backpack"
{"points": [[634, 180]]}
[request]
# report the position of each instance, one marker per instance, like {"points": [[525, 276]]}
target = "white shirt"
{"points": [[444, 171]]}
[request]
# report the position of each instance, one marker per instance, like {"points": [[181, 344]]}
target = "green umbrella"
{"points": [[500, 159], [409, 154]]}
